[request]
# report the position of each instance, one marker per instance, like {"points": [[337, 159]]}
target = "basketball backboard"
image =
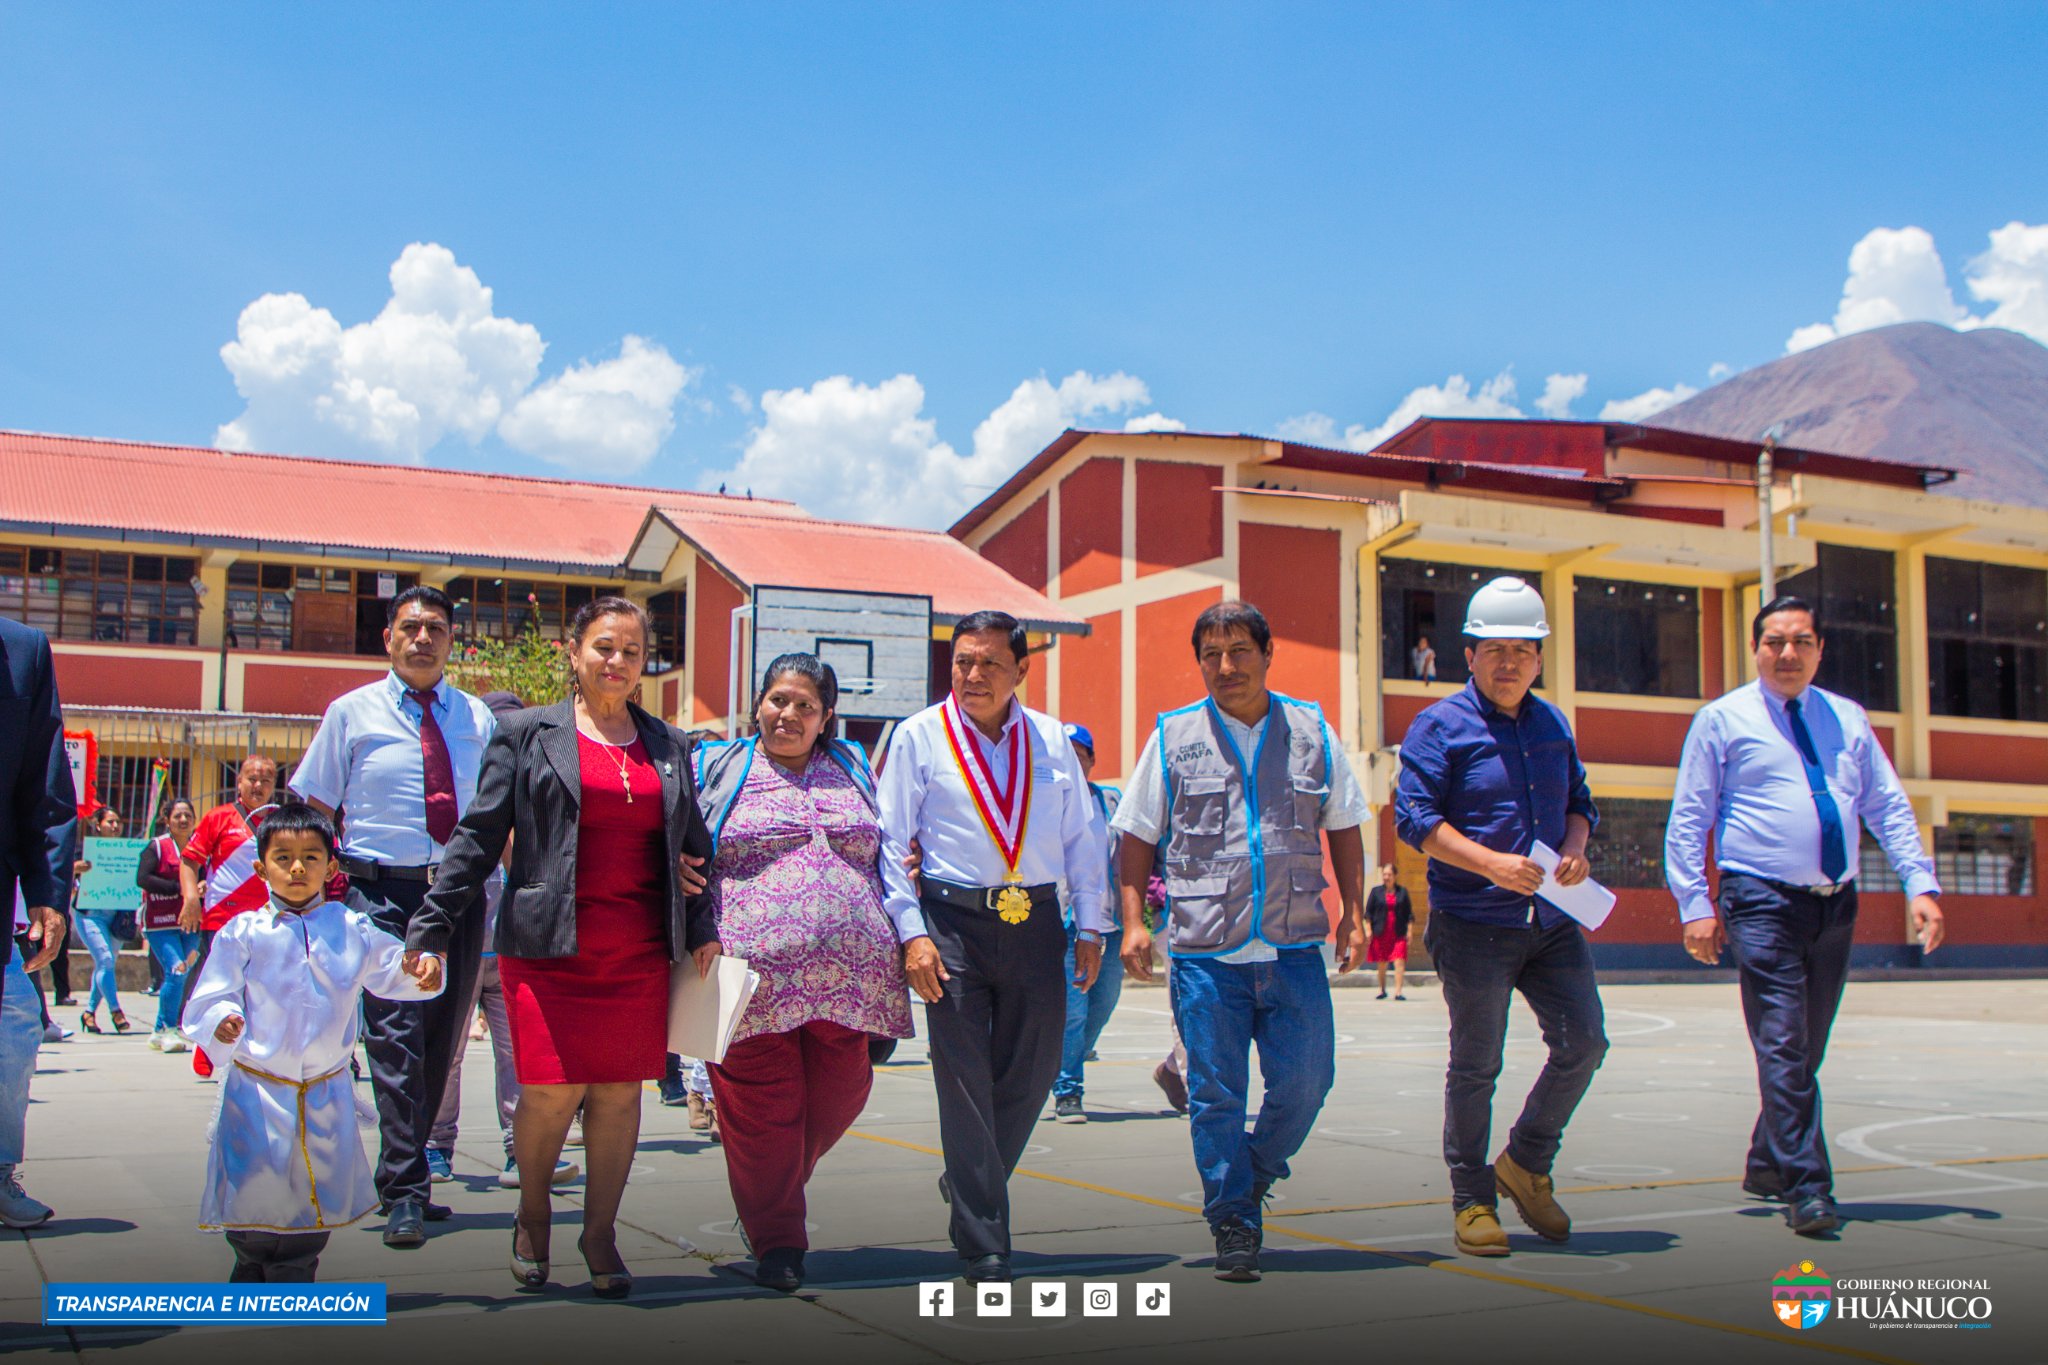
{"points": [[878, 643]]}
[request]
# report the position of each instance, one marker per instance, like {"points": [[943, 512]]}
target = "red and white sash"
{"points": [[1005, 814]]}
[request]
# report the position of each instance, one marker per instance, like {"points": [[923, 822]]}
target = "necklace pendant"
{"points": [[1013, 902]]}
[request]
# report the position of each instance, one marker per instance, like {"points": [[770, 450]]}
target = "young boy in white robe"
{"points": [[275, 1009]]}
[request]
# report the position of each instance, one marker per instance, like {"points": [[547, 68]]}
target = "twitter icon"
{"points": [[1049, 1299]]}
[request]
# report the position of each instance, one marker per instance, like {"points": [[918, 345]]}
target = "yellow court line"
{"points": [[1451, 1267]]}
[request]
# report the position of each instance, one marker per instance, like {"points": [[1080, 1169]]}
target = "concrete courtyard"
{"points": [[1937, 1112]]}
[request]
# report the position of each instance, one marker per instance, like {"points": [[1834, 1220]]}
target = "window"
{"points": [[1627, 850], [1638, 639], [1854, 591], [90, 595], [671, 613], [1424, 603], [259, 606], [500, 608], [1987, 640], [1974, 855]]}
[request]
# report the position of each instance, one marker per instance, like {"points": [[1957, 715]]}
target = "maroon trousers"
{"points": [[783, 1100]]}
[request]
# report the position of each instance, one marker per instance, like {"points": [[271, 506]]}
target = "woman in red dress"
{"points": [[603, 896]]}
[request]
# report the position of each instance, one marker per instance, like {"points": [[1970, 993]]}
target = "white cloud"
{"points": [[437, 361], [1560, 391], [1311, 428], [1646, 404], [1155, 421], [864, 452], [739, 398], [2013, 276], [1895, 275], [1719, 371], [608, 417], [1452, 398]]}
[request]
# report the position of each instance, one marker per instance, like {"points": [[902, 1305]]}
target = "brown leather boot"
{"points": [[1533, 1199], [1479, 1232]]}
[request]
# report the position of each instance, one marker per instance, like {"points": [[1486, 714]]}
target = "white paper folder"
{"points": [[704, 1011], [1589, 902]]}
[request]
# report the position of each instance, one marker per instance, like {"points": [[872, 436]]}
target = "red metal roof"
{"points": [[196, 495], [752, 550]]}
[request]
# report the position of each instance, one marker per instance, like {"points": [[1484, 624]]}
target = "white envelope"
{"points": [[1589, 902], [704, 1011]]}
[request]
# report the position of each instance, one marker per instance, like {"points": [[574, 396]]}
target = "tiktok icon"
{"points": [[1155, 1300]]}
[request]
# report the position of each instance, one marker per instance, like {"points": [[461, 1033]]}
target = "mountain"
{"points": [[1974, 401]]}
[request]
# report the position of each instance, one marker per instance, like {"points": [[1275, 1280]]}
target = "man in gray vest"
{"points": [[1239, 790]]}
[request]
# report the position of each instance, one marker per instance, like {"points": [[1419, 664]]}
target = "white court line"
{"points": [[1858, 1141]]}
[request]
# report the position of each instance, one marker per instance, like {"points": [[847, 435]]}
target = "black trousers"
{"points": [[412, 1046], [1792, 955], [995, 1048], [275, 1257]]}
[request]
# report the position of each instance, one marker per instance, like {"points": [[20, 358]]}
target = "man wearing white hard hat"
{"points": [[1485, 774]]}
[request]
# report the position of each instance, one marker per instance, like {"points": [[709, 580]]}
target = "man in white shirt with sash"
{"points": [[1234, 796], [997, 803]]}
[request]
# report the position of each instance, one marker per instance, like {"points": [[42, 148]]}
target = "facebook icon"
{"points": [[935, 1299]]}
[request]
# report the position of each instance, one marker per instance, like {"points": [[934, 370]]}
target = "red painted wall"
{"points": [[1180, 515], [123, 680], [1091, 686], [711, 651], [1713, 643], [296, 690], [1296, 577], [1986, 758], [1019, 548], [1091, 527], [1885, 740], [1652, 737], [1167, 676], [1397, 714]]}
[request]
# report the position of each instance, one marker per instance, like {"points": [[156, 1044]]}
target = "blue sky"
{"points": [[1238, 217]]}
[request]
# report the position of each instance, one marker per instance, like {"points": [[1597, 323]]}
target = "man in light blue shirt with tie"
{"points": [[1781, 772]]}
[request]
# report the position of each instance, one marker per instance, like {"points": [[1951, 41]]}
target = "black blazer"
{"points": [[531, 783], [38, 806], [1376, 910]]}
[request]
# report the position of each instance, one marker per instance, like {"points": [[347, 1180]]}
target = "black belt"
{"points": [[1822, 891], [363, 870], [982, 897]]}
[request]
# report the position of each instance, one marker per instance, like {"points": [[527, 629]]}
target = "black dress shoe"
{"points": [[432, 1212], [780, 1268], [993, 1268], [407, 1227], [1764, 1185], [1814, 1217], [945, 1190]]}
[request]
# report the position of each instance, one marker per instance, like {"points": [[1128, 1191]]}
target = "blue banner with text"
{"points": [[158, 1303]]}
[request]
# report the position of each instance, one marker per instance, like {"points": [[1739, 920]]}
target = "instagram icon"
{"points": [[1098, 1300]]}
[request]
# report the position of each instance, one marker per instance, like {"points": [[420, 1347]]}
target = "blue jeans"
{"points": [[95, 929], [170, 947], [1480, 967], [1088, 1011], [21, 1033], [1222, 1010]]}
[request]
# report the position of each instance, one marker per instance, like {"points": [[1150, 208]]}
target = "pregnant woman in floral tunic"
{"points": [[799, 898]]}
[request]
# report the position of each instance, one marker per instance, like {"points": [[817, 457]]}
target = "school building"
{"points": [[1646, 544], [202, 603]]}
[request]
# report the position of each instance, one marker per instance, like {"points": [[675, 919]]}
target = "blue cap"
{"points": [[1078, 734]]}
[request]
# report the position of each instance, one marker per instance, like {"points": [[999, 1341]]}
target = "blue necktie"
{"points": [[1834, 852]]}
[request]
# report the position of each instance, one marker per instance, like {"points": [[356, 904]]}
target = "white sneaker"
{"points": [[57, 1033], [565, 1171], [175, 1042], [17, 1210], [156, 1040]]}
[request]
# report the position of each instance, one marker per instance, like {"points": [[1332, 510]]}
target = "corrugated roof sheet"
{"points": [[853, 557]]}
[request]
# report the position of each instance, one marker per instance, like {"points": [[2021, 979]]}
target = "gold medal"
{"points": [[1013, 902]]}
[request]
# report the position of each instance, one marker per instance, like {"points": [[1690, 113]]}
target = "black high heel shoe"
{"points": [[606, 1284], [530, 1274]]}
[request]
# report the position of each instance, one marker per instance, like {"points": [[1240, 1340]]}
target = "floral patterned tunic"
{"points": [[800, 898]]}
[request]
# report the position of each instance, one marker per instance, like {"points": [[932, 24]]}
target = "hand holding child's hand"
{"points": [[230, 1029], [424, 968]]}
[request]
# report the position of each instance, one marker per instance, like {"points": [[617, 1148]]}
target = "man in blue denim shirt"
{"points": [[1484, 775]]}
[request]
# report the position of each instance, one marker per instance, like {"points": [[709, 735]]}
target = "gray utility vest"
{"points": [[1243, 853]]}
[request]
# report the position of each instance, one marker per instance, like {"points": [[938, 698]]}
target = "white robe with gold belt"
{"points": [[285, 1154]]}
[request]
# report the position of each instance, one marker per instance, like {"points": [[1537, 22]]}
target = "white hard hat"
{"points": [[1506, 609]]}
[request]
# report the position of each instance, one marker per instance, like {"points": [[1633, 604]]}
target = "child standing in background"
{"points": [[275, 1009]]}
